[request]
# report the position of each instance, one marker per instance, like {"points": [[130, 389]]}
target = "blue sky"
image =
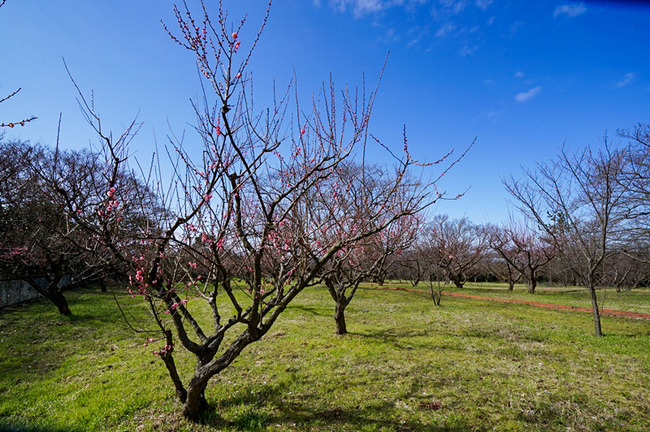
{"points": [[521, 77]]}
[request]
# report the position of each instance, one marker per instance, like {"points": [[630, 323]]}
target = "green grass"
{"points": [[637, 300], [406, 366]]}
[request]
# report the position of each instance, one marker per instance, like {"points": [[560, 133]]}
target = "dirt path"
{"points": [[635, 315]]}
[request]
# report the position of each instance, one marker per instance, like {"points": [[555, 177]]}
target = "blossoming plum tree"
{"points": [[242, 233]]}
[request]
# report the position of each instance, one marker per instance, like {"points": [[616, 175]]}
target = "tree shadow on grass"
{"points": [[9, 427], [311, 310], [272, 404]]}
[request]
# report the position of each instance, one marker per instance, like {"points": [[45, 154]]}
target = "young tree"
{"points": [[575, 200], [355, 195], [243, 211]]}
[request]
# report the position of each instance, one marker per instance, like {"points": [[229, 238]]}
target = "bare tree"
{"points": [[456, 247], [575, 200], [501, 268], [522, 249]]}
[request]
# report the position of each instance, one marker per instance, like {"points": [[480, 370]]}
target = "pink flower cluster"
{"points": [[165, 350], [177, 305]]}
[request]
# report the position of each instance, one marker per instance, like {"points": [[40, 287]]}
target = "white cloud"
{"points": [[570, 10], [519, 74], [467, 51], [445, 29], [524, 96], [627, 79], [483, 4], [364, 7]]}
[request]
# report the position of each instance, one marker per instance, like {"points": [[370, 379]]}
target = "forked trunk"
{"points": [[532, 285], [196, 405], [458, 281]]}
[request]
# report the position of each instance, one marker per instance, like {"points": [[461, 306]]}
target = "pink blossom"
{"points": [[234, 35], [192, 264], [238, 75]]}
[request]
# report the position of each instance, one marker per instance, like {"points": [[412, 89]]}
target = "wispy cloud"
{"points": [[483, 4], [459, 22], [519, 74], [445, 29], [467, 51], [362, 7], [570, 10], [365, 7], [627, 79], [524, 96]]}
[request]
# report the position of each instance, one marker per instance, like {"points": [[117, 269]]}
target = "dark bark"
{"points": [[53, 294], [532, 284], [458, 281], [339, 317], [60, 302], [596, 312], [195, 404], [168, 359]]}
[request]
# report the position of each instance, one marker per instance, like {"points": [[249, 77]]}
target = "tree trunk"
{"points": [[457, 281], [532, 285], [61, 303], [596, 312], [511, 285], [195, 404], [57, 299], [339, 317], [52, 293]]}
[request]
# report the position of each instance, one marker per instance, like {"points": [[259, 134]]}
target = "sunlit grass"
{"points": [[406, 366], [636, 300]]}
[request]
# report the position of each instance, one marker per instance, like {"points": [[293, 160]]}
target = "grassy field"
{"points": [[637, 300], [406, 366]]}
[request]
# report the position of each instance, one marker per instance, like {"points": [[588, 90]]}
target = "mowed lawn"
{"points": [[406, 366]]}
